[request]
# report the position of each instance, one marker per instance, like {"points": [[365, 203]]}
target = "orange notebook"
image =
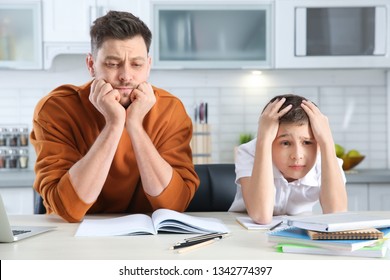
{"points": [[369, 233]]}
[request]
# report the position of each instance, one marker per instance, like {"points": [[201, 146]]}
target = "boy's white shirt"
{"points": [[290, 198]]}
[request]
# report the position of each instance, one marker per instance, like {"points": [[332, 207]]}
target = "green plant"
{"points": [[245, 137]]}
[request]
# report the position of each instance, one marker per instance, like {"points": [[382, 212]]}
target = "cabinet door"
{"points": [[65, 23], [18, 200], [332, 34], [20, 35], [357, 197], [68, 21], [133, 6], [212, 36], [66, 29], [379, 195]]}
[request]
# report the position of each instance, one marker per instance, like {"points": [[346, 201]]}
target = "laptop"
{"points": [[16, 233]]}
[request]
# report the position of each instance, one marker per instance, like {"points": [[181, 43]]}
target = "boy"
{"points": [[290, 165]]}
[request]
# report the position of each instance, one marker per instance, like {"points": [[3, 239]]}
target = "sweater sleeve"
{"points": [[57, 150], [174, 147]]}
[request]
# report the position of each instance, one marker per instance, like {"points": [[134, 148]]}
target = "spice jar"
{"points": [[13, 137], [3, 136], [23, 136], [23, 158], [3, 158], [12, 159]]}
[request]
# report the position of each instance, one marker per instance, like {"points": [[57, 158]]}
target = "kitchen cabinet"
{"points": [[332, 34], [66, 28], [17, 191], [20, 34], [379, 197], [358, 197], [212, 35], [18, 200], [368, 197]]}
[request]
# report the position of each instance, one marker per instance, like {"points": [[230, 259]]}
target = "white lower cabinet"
{"points": [[18, 200], [357, 197], [379, 197], [368, 197]]}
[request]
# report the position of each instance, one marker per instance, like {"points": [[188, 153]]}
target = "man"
{"points": [[115, 144]]}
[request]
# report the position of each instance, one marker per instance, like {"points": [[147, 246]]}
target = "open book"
{"points": [[162, 220]]}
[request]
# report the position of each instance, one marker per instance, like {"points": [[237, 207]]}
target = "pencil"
{"points": [[275, 226], [205, 236], [189, 243], [196, 246]]}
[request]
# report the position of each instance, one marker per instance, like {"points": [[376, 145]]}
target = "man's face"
{"points": [[294, 150], [122, 63]]}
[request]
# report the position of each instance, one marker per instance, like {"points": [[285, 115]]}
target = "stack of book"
{"points": [[343, 234]]}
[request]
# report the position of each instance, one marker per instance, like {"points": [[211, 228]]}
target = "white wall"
{"points": [[354, 100]]}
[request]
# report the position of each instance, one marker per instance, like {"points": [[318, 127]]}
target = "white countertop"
{"points": [[25, 178], [61, 244]]}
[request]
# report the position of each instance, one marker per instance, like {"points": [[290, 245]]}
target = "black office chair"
{"points": [[39, 208], [217, 187], [215, 193]]}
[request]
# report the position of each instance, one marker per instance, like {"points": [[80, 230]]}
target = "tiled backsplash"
{"points": [[355, 101]]}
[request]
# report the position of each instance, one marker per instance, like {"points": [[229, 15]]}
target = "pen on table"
{"points": [[198, 239], [275, 226], [191, 243], [213, 234], [198, 245]]}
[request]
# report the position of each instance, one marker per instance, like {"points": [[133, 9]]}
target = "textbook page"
{"points": [[173, 221], [126, 225], [162, 220]]}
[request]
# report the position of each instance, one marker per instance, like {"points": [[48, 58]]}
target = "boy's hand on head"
{"points": [[319, 122], [269, 119]]}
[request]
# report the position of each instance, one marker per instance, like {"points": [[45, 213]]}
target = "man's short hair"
{"points": [[118, 25]]}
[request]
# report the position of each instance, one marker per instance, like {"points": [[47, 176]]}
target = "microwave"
{"points": [[332, 34]]}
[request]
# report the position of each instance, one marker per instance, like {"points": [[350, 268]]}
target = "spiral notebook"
{"points": [[294, 235], [370, 233]]}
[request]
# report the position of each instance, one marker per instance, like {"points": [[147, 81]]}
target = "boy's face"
{"points": [[294, 150], [122, 63]]}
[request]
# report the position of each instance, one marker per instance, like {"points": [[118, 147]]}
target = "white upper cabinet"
{"points": [[332, 33], [20, 34], [67, 23], [213, 34]]}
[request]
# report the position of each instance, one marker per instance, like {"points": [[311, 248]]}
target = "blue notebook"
{"points": [[294, 235]]}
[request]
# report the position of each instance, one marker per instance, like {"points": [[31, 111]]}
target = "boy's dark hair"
{"points": [[296, 114], [118, 25]]}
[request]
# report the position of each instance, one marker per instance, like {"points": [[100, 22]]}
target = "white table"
{"points": [[61, 244]]}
